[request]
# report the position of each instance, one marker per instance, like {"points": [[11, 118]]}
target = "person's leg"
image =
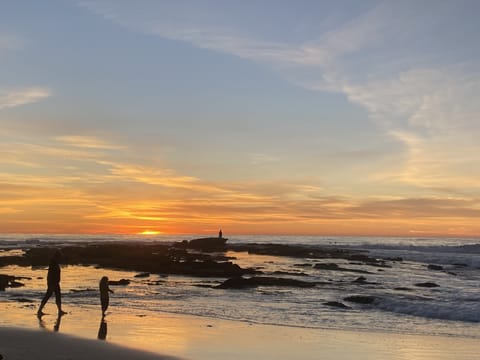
{"points": [[45, 299], [104, 301], [58, 299]]}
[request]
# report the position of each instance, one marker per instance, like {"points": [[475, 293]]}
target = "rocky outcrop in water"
{"points": [[209, 244], [241, 283], [143, 258]]}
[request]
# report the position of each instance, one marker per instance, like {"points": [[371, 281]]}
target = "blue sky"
{"points": [[310, 104]]}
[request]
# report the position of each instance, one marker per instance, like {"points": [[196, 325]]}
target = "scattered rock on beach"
{"points": [[335, 267], [327, 266], [279, 272], [121, 282], [336, 304], [427, 284], [9, 281], [434, 267], [362, 280], [16, 284], [360, 299], [82, 290], [142, 275], [23, 300]]}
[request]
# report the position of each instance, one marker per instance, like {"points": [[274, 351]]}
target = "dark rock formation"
{"points": [[427, 285], [279, 272], [328, 266], [363, 281], [121, 282], [23, 300], [144, 257], [9, 281], [360, 299], [434, 267], [396, 259], [296, 251], [204, 244], [335, 267], [241, 283], [336, 304], [142, 275]]}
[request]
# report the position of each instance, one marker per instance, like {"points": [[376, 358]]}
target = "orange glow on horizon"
{"points": [[150, 232]]}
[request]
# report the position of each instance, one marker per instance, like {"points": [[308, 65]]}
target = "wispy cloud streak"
{"points": [[10, 98]]}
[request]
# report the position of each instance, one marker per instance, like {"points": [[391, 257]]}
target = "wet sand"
{"points": [[23, 336]]}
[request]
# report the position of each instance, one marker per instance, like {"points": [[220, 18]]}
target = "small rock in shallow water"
{"points": [[119, 282], [427, 285], [142, 275], [336, 304], [360, 299], [434, 267]]}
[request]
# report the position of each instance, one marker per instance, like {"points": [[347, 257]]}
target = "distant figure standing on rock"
{"points": [[104, 297], [220, 234], [53, 284]]}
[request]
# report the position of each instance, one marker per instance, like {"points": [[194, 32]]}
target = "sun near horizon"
{"points": [[150, 232], [309, 118]]}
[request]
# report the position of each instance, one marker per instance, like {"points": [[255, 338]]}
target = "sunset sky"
{"points": [[275, 117]]}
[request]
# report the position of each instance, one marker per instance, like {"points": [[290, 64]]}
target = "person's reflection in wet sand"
{"points": [[102, 330], [41, 323], [56, 327]]}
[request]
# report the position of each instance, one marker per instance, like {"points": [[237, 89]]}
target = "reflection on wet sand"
{"points": [[56, 326], [102, 330]]}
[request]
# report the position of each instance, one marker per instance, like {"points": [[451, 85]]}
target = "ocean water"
{"points": [[451, 309]]}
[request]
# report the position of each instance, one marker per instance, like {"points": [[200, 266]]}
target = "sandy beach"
{"points": [[149, 335]]}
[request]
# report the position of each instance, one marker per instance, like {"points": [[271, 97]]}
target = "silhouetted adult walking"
{"points": [[53, 284]]}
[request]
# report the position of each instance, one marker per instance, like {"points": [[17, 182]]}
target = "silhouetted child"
{"points": [[104, 290]]}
